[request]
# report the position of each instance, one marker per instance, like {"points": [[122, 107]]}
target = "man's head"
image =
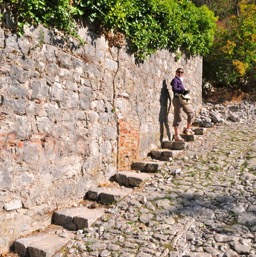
{"points": [[179, 72]]}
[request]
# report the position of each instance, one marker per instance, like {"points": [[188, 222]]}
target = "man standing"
{"points": [[179, 88]]}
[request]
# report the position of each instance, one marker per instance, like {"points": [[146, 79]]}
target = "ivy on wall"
{"points": [[153, 24], [149, 25], [59, 13]]}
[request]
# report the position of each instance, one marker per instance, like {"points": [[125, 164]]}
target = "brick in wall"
{"points": [[128, 142]]}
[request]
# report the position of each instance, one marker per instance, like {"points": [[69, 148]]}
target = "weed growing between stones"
{"points": [[192, 174], [232, 219], [244, 167], [253, 171], [169, 247], [88, 249], [207, 175]]}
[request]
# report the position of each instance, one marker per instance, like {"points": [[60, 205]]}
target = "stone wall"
{"points": [[72, 116]]}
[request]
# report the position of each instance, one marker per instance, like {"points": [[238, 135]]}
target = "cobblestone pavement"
{"points": [[207, 210]]}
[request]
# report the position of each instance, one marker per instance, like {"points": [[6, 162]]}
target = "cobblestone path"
{"points": [[207, 210]]}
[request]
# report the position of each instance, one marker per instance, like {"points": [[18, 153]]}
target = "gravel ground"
{"points": [[208, 209]]}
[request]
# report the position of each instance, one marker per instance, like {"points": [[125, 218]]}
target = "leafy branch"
{"points": [[148, 25]]}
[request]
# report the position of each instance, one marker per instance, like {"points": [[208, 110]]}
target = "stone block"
{"points": [[111, 195], [121, 178], [40, 245], [39, 89], [13, 205], [178, 145], [173, 145], [19, 107], [162, 154], [188, 138], [85, 97], [138, 166], [135, 179], [64, 61], [199, 131], [93, 194], [130, 178], [156, 154], [150, 167], [5, 181], [77, 217], [17, 91], [44, 125], [11, 42], [107, 195], [56, 92], [70, 100], [167, 144], [61, 218], [111, 64]]}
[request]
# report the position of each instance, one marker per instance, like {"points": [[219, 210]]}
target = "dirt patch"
{"points": [[227, 96]]}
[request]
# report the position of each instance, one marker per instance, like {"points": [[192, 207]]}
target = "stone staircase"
{"points": [[49, 242]]}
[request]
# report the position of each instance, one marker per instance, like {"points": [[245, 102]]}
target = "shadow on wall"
{"points": [[165, 104]]}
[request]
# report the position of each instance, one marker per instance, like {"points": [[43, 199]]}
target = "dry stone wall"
{"points": [[71, 116]]}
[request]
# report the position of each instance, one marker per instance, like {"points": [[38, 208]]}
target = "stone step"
{"points": [[188, 138], [173, 145], [42, 244], [75, 218], [148, 166], [165, 154], [107, 195], [131, 178], [199, 131]]}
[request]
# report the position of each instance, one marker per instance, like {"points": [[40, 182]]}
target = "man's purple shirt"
{"points": [[177, 85]]}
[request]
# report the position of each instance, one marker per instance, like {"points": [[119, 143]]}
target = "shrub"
{"points": [[148, 25]]}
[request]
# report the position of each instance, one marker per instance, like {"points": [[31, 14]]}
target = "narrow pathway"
{"points": [[209, 209]]}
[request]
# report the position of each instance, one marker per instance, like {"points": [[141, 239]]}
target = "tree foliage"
{"points": [[232, 59], [221, 8], [148, 24]]}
